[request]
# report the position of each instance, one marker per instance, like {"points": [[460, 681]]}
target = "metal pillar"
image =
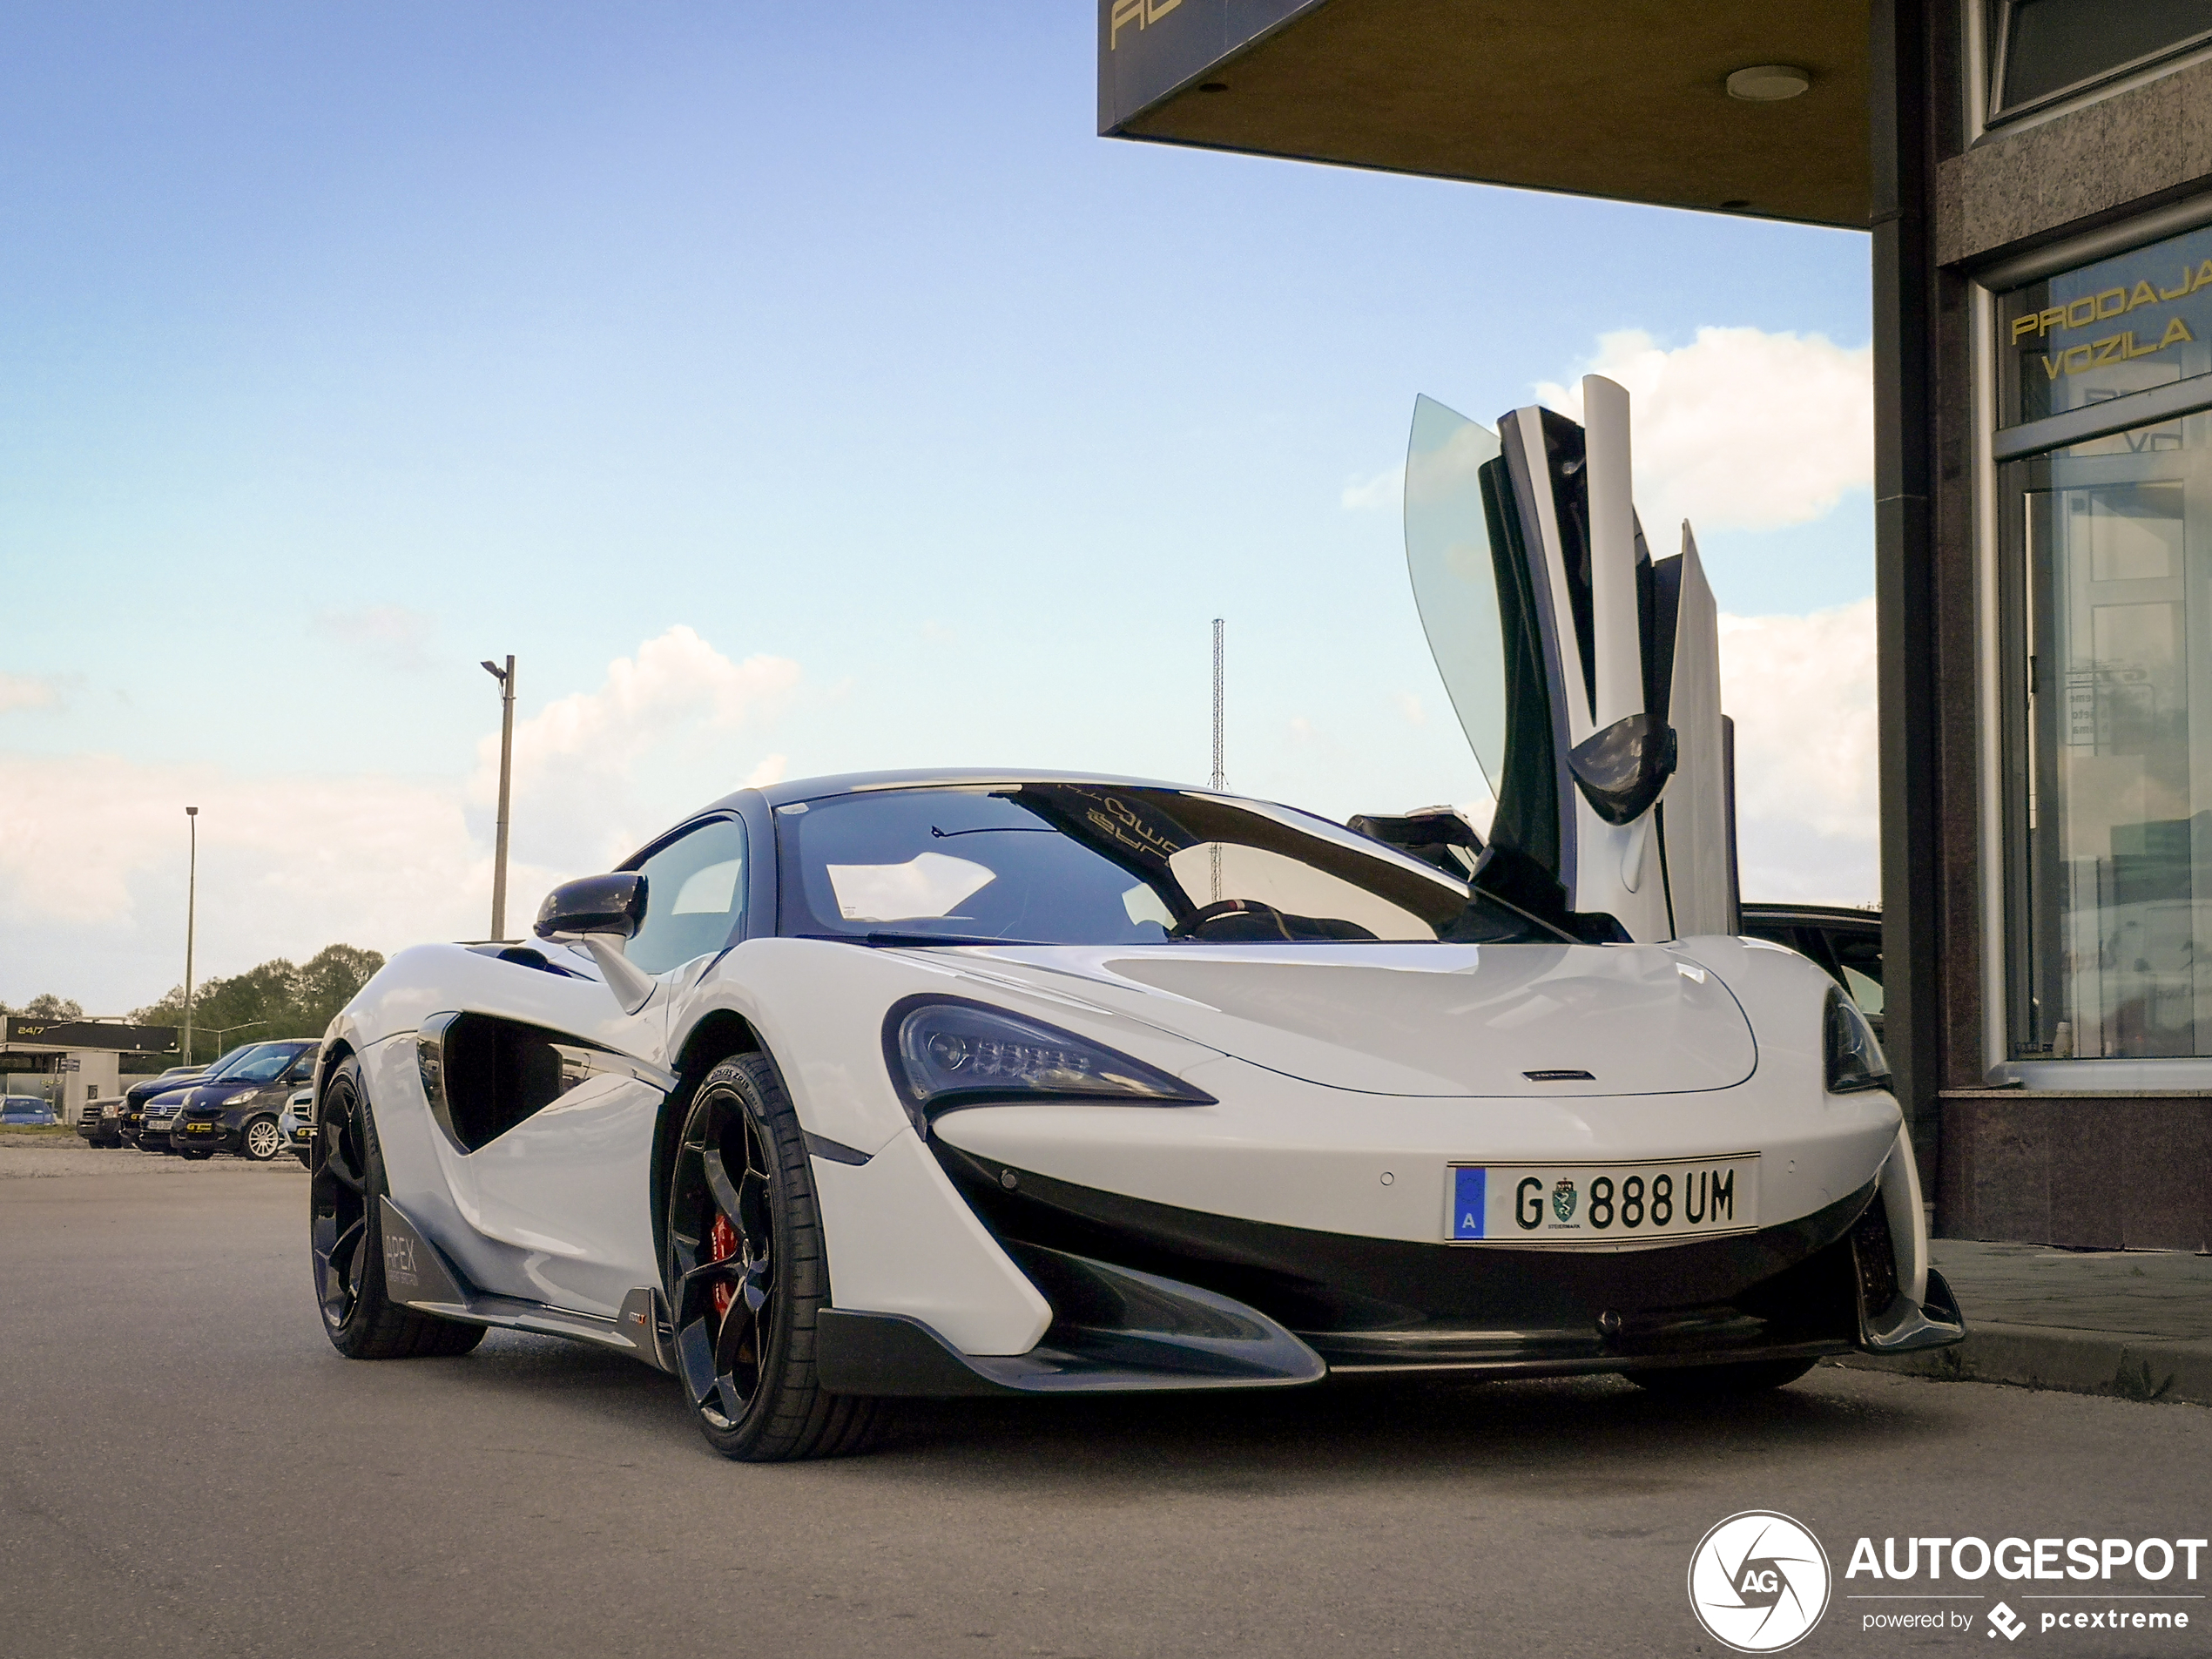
{"points": [[191, 909], [506, 678]]}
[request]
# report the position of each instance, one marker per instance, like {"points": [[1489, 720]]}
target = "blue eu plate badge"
{"points": [[1468, 1194]]}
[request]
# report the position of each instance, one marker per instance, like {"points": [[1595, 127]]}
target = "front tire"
{"points": [[347, 1233], [1746, 1376], [746, 1276], [261, 1141]]}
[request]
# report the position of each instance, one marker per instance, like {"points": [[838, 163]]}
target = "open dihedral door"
{"points": [[1586, 675]]}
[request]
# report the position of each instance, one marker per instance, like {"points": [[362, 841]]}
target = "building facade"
{"points": [[2046, 592], [69, 1062], [2034, 177]]}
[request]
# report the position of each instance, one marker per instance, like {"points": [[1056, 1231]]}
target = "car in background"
{"points": [[26, 1111], [1842, 942], [237, 1112], [101, 1122], [131, 1122], [297, 1124]]}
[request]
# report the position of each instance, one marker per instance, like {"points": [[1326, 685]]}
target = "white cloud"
{"points": [[24, 692], [400, 636], [92, 847], [774, 770], [1386, 488], [288, 862], [1410, 709], [1741, 430], [1801, 691], [677, 706]]}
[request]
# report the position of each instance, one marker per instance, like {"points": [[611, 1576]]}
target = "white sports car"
{"points": [[1020, 1082]]}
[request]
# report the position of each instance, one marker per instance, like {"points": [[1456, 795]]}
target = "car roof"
{"points": [[855, 783]]}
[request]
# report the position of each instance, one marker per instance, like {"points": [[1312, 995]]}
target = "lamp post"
{"points": [[222, 1031], [506, 678], [191, 906], [1220, 783]]}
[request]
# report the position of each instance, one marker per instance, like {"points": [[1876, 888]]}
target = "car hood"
{"points": [[1430, 1019]]}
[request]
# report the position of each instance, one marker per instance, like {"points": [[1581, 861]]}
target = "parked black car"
{"points": [[237, 1112], [101, 1122], [131, 1120]]}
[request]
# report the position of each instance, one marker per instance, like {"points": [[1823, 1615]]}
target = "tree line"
{"points": [[277, 999]]}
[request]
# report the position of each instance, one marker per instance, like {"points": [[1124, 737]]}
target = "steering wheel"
{"points": [[1220, 907]]}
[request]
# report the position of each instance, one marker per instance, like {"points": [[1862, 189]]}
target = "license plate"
{"points": [[199, 1129], [302, 1134], [1646, 1201]]}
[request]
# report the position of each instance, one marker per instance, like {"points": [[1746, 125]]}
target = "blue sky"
{"points": [[344, 347]]}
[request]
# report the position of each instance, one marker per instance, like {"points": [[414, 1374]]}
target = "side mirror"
{"points": [[594, 904], [601, 911]]}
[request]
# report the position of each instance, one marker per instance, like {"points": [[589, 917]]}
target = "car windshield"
{"points": [[262, 1063], [1095, 864]]}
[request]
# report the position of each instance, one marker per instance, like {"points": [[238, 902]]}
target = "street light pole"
{"points": [[1220, 781], [506, 678], [192, 907]]}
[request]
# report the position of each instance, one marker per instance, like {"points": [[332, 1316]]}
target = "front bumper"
{"points": [[1147, 1295]]}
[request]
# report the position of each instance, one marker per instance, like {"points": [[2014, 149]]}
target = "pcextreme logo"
{"points": [[1758, 1581]]}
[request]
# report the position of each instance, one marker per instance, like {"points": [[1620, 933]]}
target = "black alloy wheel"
{"points": [[347, 1177], [261, 1141], [746, 1276]]}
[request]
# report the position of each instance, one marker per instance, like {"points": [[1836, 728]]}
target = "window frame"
{"points": [[1996, 112], [2001, 657], [748, 892]]}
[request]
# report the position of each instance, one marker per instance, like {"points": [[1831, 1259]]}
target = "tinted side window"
{"points": [[694, 896]]}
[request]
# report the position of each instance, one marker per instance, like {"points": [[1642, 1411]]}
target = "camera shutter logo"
{"points": [[1758, 1581]]}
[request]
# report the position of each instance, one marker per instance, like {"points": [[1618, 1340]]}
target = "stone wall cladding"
{"points": [[2096, 1172], [2063, 173]]}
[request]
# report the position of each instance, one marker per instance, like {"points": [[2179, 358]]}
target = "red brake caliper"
{"points": [[722, 1242]]}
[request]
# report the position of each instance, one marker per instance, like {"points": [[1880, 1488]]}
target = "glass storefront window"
{"points": [[2126, 324], [2107, 550]]}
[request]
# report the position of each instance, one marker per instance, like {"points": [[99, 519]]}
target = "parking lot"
{"points": [[188, 1469]]}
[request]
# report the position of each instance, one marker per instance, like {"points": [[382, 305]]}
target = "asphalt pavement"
{"points": [[186, 1468]]}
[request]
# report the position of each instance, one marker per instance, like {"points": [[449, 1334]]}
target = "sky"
{"points": [[792, 390]]}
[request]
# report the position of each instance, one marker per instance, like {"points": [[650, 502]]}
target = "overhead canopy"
{"points": [[1625, 99]]}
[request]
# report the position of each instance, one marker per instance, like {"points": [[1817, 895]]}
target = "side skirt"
{"points": [[417, 1275]]}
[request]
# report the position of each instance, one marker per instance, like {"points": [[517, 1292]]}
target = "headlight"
{"points": [[945, 1053], [1855, 1061]]}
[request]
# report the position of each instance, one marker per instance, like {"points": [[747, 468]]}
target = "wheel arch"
{"points": [[717, 1034]]}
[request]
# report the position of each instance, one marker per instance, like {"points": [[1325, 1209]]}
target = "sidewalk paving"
{"points": [[2136, 1325]]}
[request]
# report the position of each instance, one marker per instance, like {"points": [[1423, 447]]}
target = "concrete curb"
{"points": [[2114, 1364]]}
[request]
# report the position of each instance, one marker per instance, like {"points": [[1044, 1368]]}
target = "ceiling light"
{"points": [[1768, 82]]}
